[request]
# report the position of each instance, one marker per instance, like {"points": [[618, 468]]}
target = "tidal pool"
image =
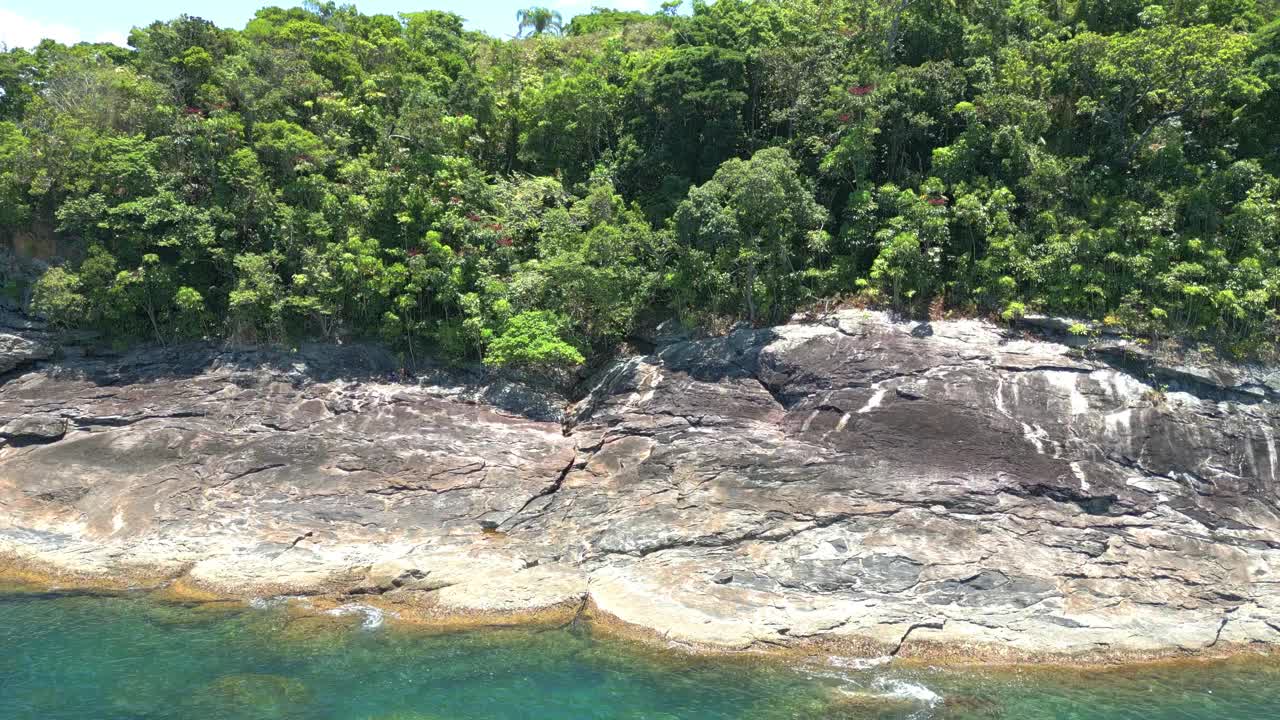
{"points": [[73, 656]]}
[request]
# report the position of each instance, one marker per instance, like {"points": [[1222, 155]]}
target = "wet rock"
{"points": [[252, 696]]}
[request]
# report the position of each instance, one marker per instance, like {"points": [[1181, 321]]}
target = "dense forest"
{"points": [[534, 200]]}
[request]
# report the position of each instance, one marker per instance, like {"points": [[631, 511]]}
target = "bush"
{"points": [[532, 339], [57, 299], [190, 316]]}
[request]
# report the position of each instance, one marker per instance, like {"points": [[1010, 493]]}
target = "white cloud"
{"points": [[115, 37], [18, 31]]}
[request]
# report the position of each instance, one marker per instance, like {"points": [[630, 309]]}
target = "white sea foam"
{"points": [[859, 677], [906, 690], [853, 663], [373, 617]]}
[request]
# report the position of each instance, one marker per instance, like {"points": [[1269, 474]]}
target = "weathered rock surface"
{"points": [[888, 484], [17, 351]]}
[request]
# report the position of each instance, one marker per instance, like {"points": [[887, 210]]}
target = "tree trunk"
{"points": [[892, 39]]}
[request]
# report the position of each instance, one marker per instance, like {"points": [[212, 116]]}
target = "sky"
{"points": [[23, 23]]}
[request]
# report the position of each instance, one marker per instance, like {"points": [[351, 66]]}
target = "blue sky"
{"points": [[24, 22]]}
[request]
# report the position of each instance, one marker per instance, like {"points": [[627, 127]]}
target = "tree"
{"points": [[322, 173], [256, 302], [190, 320], [747, 233], [684, 114], [597, 265], [57, 298], [604, 20], [1133, 83], [538, 19], [146, 289], [532, 340], [569, 124], [181, 53], [911, 243]]}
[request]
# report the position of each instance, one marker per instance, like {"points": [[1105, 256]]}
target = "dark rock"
{"points": [[672, 331]]}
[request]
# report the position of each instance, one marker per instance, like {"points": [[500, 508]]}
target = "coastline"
{"points": [[941, 494], [401, 614]]}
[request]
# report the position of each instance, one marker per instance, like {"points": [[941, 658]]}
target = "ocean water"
{"points": [[92, 657]]}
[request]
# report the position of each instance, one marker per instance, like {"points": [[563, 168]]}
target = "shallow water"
{"points": [[82, 657]]}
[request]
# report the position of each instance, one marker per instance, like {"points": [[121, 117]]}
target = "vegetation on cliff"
{"points": [[325, 173]]}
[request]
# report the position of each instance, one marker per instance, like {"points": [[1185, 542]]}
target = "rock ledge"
{"points": [[900, 489]]}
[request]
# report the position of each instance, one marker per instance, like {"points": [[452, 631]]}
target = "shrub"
{"points": [[532, 339], [57, 298]]}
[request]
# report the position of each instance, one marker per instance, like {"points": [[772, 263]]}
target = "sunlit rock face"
{"points": [[894, 484], [866, 477]]}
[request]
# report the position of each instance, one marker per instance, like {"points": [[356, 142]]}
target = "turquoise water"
{"points": [[81, 657]]}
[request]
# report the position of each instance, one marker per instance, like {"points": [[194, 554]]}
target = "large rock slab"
{"points": [[871, 479], [257, 475], [893, 486], [18, 351]]}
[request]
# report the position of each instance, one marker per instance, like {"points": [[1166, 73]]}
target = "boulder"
{"points": [[17, 351], [34, 428]]}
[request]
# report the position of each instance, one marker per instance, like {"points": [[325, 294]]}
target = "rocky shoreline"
{"points": [[945, 491]]}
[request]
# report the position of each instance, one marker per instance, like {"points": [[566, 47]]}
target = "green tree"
{"points": [[325, 173], [256, 303], [684, 117], [597, 265], [146, 289], [746, 234], [1131, 84], [911, 242], [57, 298], [532, 340], [190, 318], [539, 20]]}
